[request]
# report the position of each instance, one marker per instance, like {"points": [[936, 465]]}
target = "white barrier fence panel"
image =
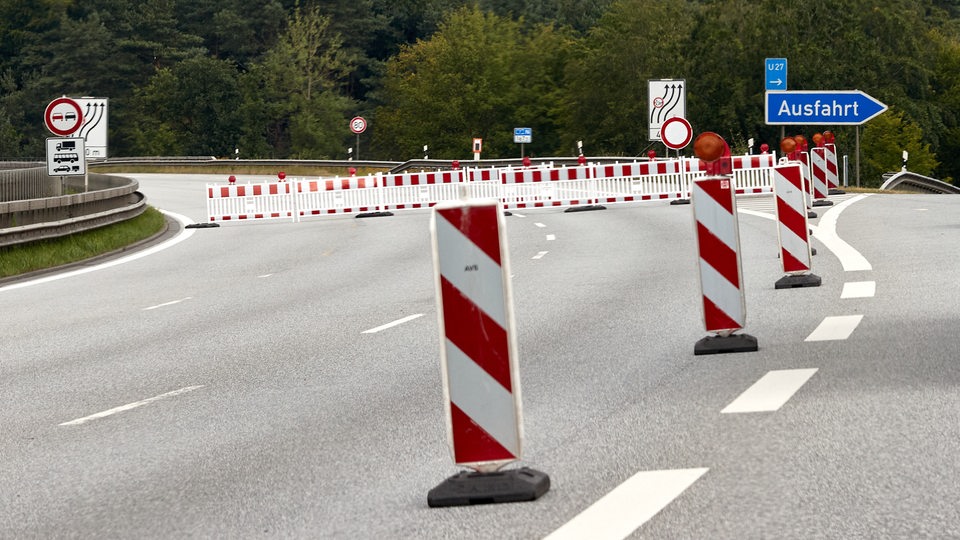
{"points": [[544, 186]]}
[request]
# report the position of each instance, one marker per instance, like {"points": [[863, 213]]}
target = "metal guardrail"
{"points": [[908, 181], [109, 199]]}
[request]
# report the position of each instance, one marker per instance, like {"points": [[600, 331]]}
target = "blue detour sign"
{"points": [[846, 107]]}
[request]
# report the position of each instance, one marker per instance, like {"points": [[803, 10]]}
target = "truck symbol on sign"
{"points": [[66, 145]]}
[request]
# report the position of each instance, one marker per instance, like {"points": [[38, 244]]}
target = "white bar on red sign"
{"points": [[478, 344], [792, 229], [718, 245]]}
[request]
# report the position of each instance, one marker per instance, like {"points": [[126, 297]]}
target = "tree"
{"points": [[294, 99], [190, 109], [480, 75], [884, 140]]}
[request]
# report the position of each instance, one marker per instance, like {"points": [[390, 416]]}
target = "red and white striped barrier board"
{"points": [[792, 229], [268, 200], [758, 161], [818, 172], [833, 171], [478, 344], [718, 242], [329, 196]]}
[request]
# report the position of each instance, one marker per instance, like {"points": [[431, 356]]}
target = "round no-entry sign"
{"points": [[63, 116], [676, 133], [358, 124]]}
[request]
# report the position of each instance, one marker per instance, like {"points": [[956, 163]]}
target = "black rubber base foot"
{"points": [[793, 282], [468, 488], [374, 214], [679, 201], [202, 226], [729, 344], [588, 208], [811, 214], [822, 202], [835, 191]]}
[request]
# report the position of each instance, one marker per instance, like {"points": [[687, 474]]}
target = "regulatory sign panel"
{"points": [[844, 107], [94, 126], [667, 98], [358, 124], [63, 116], [523, 135], [775, 74], [676, 133], [66, 156]]}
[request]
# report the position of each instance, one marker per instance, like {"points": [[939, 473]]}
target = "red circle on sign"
{"points": [[358, 124], [676, 133], [62, 116]]}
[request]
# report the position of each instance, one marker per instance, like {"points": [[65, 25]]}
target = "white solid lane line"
{"points": [[392, 324], [771, 391], [628, 506], [539, 255], [835, 328], [165, 304], [826, 232], [180, 237], [129, 406], [859, 289]]}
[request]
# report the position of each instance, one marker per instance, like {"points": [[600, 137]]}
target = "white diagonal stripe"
{"points": [[835, 328], [791, 194], [631, 504], [771, 392], [721, 292], [794, 245], [859, 289], [483, 399], [482, 282], [714, 217]]}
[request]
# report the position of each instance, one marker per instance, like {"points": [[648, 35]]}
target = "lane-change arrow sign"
{"points": [[843, 107]]}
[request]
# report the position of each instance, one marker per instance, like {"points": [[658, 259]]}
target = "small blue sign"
{"points": [[522, 135], [775, 74], [844, 107]]}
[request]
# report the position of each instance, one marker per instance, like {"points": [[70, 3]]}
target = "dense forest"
{"points": [[282, 78]]}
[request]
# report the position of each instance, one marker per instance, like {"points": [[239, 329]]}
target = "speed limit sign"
{"points": [[358, 125]]}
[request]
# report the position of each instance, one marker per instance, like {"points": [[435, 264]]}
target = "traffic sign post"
{"points": [[667, 98], [358, 125], [65, 156], [521, 136], [63, 116], [775, 74], [844, 107]]}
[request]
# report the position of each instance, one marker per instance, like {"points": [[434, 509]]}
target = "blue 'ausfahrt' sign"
{"points": [[845, 107]]}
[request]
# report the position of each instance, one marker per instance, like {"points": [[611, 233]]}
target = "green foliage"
{"points": [[884, 140], [480, 75]]}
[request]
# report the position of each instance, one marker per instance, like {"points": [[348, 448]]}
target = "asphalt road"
{"points": [[222, 385]]}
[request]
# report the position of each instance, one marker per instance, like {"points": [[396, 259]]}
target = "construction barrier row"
{"points": [[515, 188]]}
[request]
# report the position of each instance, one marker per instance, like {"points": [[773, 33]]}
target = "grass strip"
{"points": [[50, 253]]}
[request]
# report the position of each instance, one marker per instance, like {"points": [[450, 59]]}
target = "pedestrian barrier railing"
{"points": [[516, 187]]}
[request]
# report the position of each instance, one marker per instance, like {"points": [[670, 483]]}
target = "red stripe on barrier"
{"points": [[488, 349], [721, 257], [257, 190], [717, 193], [716, 318], [225, 192], [471, 443]]}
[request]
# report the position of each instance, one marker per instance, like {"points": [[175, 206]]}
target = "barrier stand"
{"points": [[593, 203], [379, 185], [792, 229], [791, 151], [478, 352], [818, 172], [718, 245]]}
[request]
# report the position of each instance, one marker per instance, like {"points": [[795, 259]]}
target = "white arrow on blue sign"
{"points": [[843, 107], [775, 74]]}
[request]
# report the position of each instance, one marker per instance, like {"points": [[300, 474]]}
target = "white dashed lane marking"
{"points": [[771, 391], [129, 406], [539, 255], [392, 324], [835, 328], [859, 289], [628, 506]]}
